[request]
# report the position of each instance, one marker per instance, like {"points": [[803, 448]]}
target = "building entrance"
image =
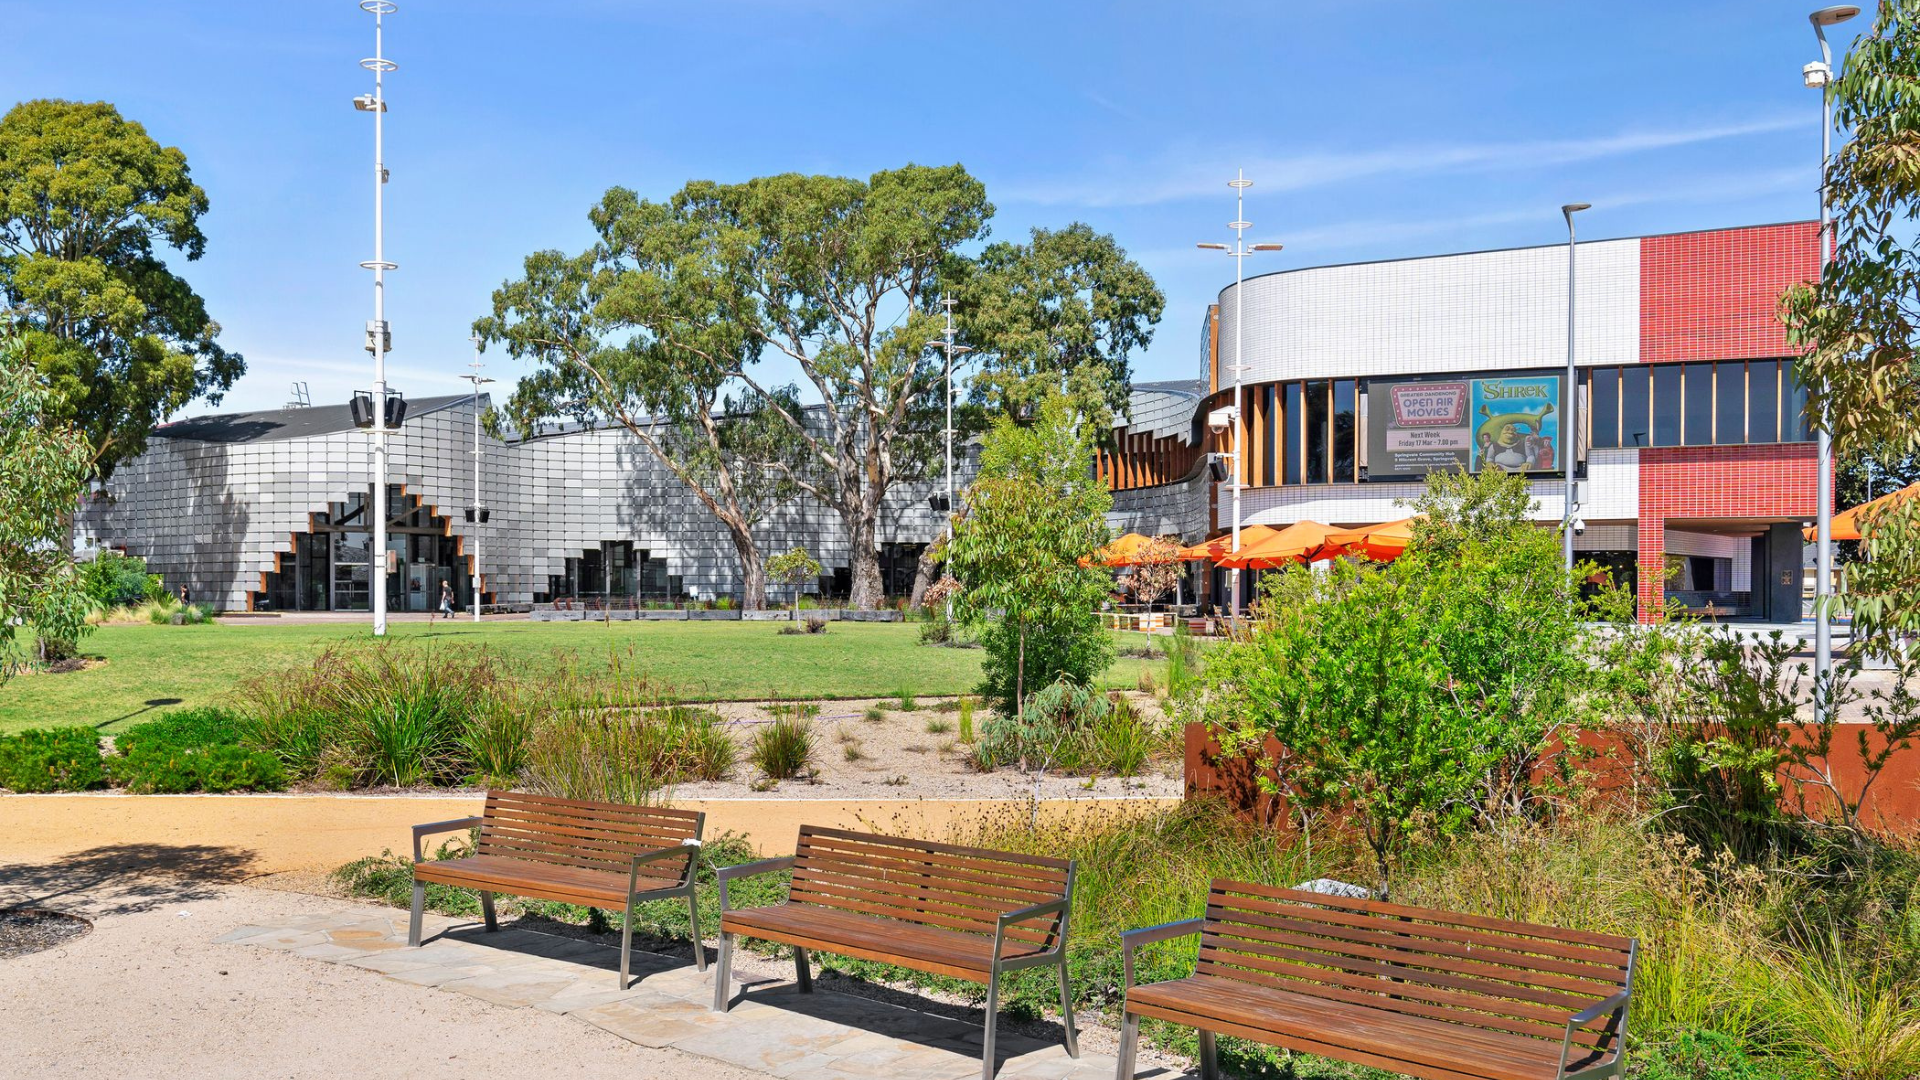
{"points": [[331, 565]]}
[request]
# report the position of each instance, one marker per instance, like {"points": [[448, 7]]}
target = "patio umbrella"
{"points": [[1846, 526], [1218, 548], [1123, 550], [1303, 541], [1381, 543]]}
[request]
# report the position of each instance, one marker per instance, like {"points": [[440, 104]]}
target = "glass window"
{"points": [[1796, 425], [1295, 413], [1603, 407], [1763, 401], [1730, 402], [1271, 445], [1319, 416], [1666, 405], [1635, 396], [1699, 405], [1344, 431]]}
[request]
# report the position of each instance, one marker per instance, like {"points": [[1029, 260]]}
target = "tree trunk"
{"points": [[864, 560], [753, 568], [925, 573]]}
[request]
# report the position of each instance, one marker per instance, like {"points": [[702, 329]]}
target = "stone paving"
{"points": [[771, 1027]]}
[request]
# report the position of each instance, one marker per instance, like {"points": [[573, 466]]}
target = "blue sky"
{"points": [[1371, 129]]}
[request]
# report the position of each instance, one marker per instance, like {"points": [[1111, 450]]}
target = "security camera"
{"points": [[1579, 526], [1816, 74], [1220, 419]]}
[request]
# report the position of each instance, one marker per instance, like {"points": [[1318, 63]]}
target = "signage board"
{"points": [[1469, 422]]}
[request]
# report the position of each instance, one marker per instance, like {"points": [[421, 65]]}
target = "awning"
{"points": [[1220, 546], [1121, 551], [1846, 525]]}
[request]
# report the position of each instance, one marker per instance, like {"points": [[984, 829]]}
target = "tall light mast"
{"points": [[378, 335]]}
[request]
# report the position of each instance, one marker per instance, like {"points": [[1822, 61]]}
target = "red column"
{"points": [[1653, 567]]}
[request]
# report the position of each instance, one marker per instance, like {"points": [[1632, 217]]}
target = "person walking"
{"points": [[446, 599]]}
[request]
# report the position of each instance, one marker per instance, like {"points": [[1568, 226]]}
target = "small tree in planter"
{"points": [[1156, 570], [795, 568]]}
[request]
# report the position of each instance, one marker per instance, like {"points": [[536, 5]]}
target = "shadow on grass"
{"points": [[122, 879]]}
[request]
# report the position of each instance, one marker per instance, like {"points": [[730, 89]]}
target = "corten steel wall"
{"points": [[1715, 482], [1604, 769]]}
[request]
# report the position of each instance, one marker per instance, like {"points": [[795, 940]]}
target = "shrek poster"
{"points": [[1509, 422]]}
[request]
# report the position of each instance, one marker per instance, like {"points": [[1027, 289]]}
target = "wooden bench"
{"points": [[1410, 990], [602, 855], [971, 913]]}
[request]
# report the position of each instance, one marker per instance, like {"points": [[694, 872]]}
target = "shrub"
{"points": [[114, 580], [1123, 740], [494, 743], [1048, 733], [937, 726], [966, 719], [197, 726], [936, 628], [192, 750], [1856, 1020], [905, 701], [168, 768], [784, 749], [51, 759], [815, 624], [875, 714], [1701, 1055], [627, 756]]}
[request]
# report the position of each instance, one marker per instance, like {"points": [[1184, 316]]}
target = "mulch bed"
{"points": [[29, 930]]}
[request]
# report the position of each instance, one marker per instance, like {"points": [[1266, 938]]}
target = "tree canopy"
{"points": [[1064, 312], [1032, 516], [1857, 326], [88, 204], [43, 471]]}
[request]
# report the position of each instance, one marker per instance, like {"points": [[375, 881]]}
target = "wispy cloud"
{"points": [[1187, 173]]}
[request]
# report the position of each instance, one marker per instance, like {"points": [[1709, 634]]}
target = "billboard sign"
{"points": [[1509, 422]]}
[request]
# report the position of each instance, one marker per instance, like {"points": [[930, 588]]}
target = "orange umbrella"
{"points": [[1220, 546], [1123, 550], [1303, 541], [1381, 543], [1846, 526]]}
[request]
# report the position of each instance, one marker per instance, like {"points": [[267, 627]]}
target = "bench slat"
{"points": [[1016, 891], [1032, 880], [1604, 943], [1388, 948], [1575, 960], [977, 854]]}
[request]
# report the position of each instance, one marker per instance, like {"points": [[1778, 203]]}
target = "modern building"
{"points": [[267, 511], [1686, 432], [1687, 429]]}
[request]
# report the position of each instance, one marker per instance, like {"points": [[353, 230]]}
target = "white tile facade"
{"points": [[212, 515]]}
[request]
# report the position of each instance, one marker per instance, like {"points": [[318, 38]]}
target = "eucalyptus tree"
{"points": [[43, 470], [89, 205]]}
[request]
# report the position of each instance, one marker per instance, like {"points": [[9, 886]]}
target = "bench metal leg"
{"points": [[486, 909], [419, 904], [803, 976], [626, 944], [1209, 1057], [1066, 1012], [993, 1014], [699, 942], [722, 972], [1129, 1047]]}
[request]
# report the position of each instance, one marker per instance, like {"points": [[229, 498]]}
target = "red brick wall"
{"points": [[1716, 295], [1769, 482]]}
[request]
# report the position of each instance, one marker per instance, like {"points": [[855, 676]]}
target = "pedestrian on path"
{"points": [[446, 599]]}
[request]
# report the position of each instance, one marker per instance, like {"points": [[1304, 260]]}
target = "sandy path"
{"points": [[147, 994]]}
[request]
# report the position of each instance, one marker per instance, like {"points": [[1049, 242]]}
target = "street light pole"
{"points": [[377, 336], [946, 343], [1570, 425], [1239, 252], [1818, 76], [477, 380]]}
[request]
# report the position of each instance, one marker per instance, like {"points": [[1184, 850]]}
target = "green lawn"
{"points": [[151, 668]]}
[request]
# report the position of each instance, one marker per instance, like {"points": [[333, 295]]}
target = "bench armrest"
{"points": [[1615, 1004], [765, 866], [693, 858], [1131, 940], [1056, 939], [456, 825]]}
